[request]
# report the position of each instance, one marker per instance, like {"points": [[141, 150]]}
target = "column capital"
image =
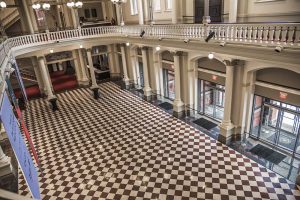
{"points": [[41, 58], [234, 62], [144, 48], [89, 50], [122, 45], [177, 53]]}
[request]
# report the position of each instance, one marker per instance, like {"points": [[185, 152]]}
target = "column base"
{"points": [[147, 92], [5, 166], [84, 83], [226, 133], [179, 114], [96, 92], [298, 181], [53, 103], [178, 106]]}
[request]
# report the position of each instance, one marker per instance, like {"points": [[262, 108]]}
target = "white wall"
{"points": [[272, 11]]}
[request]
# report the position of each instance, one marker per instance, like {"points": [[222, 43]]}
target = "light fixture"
{"points": [[210, 35], [118, 1], [210, 55], [222, 44], [127, 44], [46, 6], [73, 4], [36, 6], [160, 38], [81, 46], [2, 4], [157, 48], [186, 40], [51, 50], [279, 48], [142, 33]]}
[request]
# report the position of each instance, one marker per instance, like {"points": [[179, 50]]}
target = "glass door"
{"points": [[141, 75], [211, 99], [275, 122], [169, 84]]}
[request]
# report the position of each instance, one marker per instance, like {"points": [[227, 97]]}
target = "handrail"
{"points": [[285, 34]]}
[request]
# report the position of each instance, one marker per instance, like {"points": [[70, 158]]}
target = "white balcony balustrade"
{"points": [[287, 34]]}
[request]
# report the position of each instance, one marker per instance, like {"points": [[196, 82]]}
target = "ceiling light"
{"points": [[71, 4], [127, 44], [51, 50], [157, 48], [46, 6], [78, 4], [210, 55], [2, 4], [81, 46], [36, 6]]}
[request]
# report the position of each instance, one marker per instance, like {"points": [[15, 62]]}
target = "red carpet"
{"points": [[60, 82]]}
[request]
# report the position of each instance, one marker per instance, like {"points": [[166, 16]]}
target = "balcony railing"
{"points": [[287, 34]]}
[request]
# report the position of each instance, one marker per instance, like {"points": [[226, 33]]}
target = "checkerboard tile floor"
{"points": [[121, 147]]}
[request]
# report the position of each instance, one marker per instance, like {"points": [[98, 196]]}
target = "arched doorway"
{"points": [[211, 88], [168, 75], [276, 108]]}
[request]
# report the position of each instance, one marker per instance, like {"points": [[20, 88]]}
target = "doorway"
{"points": [[215, 10], [211, 97], [276, 123], [169, 83]]}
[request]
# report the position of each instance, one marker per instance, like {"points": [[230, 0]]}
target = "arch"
{"points": [[255, 66]]}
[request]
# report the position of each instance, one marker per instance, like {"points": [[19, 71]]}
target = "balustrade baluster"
{"points": [[271, 34], [259, 33], [297, 34], [265, 33], [240, 33], [249, 34], [291, 32], [284, 33]]}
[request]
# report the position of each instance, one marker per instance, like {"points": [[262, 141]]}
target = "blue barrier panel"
{"points": [[26, 164]]}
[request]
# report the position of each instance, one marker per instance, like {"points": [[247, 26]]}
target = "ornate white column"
{"points": [[45, 77], [111, 61], [60, 67], [226, 127], [91, 67], [206, 17], [32, 16], [77, 66], [141, 12], [58, 17], [124, 64], [178, 105], [38, 75], [147, 89], [75, 19], [134, 65], [25, 16], [84, 77], [233, 11], [174, 12]]}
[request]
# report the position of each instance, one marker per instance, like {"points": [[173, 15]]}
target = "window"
{"points": [[94, 13], [133, 7], [156, 5], [168, 4]]}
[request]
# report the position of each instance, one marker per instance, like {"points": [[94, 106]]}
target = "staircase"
{"points": [[27, 76]]}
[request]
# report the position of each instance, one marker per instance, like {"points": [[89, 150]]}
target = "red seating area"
{"points": [[60, 82]]}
